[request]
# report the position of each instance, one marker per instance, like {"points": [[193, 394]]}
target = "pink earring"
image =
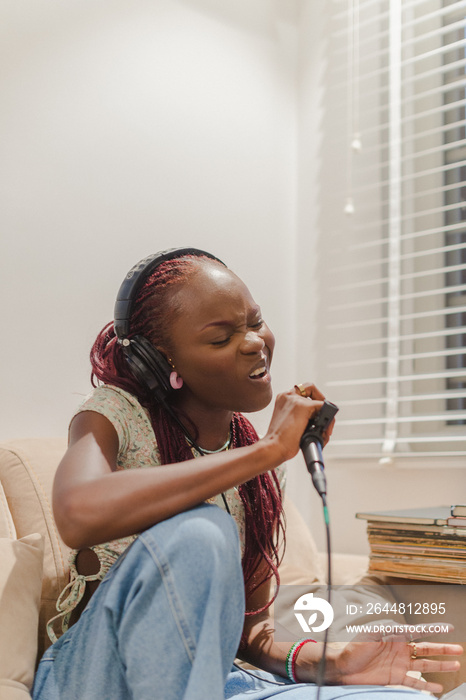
{"points": [[176, 382]]}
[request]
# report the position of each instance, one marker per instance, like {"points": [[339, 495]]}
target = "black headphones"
{"points": [[147, 364]]}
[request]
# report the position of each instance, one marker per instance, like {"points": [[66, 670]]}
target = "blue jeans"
{"points": [[165, 624]]}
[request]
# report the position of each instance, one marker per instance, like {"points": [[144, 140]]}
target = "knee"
{"points": [[209, 535], [190, 557], [213, 524], [204, 537]]}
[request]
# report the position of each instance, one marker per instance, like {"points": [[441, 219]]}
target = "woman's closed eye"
{"points": [[223, 341], [258, 324]]}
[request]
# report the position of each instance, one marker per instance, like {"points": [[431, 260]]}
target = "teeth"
{"points": [[258, 371]]}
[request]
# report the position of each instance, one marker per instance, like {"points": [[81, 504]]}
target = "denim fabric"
{"points": [[165, 624], [242, 686]]}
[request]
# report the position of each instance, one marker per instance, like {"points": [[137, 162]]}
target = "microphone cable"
{"points": [[322, 663], [311, 445]]}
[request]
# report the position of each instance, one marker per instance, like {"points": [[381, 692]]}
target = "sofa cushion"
{"points": [[301, 563], [27, 469], [20, 588], [7, 526]]}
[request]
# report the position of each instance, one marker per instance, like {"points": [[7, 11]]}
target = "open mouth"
{"points": [[258, 373]]}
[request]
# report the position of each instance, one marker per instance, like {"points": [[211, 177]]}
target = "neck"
{"points": [[222, 448], [213, 427]]}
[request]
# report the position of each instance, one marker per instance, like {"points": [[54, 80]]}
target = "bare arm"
{"points": [[262, 651], [371, 660], [93, 503]]}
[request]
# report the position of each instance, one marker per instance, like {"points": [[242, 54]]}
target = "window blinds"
{"points": [[393, 223]]}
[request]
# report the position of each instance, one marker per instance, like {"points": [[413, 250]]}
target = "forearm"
{"points": [[367, 661], [262, 651], [117, 504]]}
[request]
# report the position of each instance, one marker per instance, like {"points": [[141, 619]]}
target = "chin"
{"points": [[258, 403]]}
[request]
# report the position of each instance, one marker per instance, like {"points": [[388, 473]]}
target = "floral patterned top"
{"points": [[137, 450]]}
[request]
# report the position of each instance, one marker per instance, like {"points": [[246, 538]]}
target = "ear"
{"points": [[148, 366]]}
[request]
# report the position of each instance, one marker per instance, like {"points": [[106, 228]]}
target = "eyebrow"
{"points": [[256, 310], [217, 323]]}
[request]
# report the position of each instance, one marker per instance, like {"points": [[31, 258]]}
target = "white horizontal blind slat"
{"points": [[361, 344], [413, 397], [442, 71]]}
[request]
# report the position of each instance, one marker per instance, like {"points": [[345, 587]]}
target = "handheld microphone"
{"points": [[312, 443]]}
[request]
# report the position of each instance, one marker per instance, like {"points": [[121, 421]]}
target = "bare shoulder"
{"points": [[89, 459], [92, 450], [92, 423]]}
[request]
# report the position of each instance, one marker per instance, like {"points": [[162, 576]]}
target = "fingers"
{"points": [[418, 663], [429, 666], [418, 652], [309, 391], [436, 649], [291, 414], [328, 432], [420, 684]]}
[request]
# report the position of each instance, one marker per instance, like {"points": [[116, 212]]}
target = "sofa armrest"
{"points": [[27, 470], [20, 588]]}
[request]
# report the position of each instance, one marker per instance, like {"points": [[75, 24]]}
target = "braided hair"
{"points": [[261, 496]]}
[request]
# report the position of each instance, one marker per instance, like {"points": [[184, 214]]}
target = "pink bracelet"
{"points": [[291, 658]]}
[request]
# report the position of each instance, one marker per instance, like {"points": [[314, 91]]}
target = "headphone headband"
{"points": [[136, 278]]}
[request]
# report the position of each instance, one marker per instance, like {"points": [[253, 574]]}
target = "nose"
{"points": [[253, 342]]}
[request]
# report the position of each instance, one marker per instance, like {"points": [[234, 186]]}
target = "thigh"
{"points": [[170, 605], [83, 662], [242, 685]]}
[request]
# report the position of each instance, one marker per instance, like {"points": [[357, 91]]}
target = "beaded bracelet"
{"points": [[291, 658]]}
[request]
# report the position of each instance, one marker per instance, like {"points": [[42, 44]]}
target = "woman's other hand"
{"points": [[372, 659]]}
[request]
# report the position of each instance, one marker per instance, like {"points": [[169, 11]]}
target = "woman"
{"points": [[187, 353]]}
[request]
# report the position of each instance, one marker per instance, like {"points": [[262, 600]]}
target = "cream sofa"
{"points": [[34, 566]]}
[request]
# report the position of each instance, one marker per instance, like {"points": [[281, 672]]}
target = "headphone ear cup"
{"points": [[149, 366]]}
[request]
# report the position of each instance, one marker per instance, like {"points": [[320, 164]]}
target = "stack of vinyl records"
{"points": [[427, 544]]}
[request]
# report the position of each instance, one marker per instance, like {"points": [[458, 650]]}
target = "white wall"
{"points": [[129, 127]]}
